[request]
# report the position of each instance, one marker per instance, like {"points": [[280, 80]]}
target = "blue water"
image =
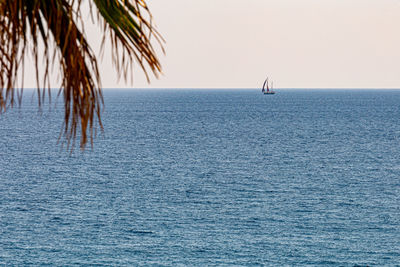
{"points": [[207, 177]]}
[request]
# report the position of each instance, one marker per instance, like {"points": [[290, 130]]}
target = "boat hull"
{"points": [[269, 93]]}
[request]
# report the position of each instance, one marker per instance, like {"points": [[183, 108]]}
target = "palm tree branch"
{"points": [[119, 16], [55, 21]]}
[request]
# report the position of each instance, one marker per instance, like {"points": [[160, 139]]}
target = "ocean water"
{"points": [[207, 178]]}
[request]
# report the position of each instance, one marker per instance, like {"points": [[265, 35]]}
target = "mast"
{"points": [[267, 86]]}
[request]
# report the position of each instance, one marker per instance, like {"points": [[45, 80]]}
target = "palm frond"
{"points": [[55, 24]]}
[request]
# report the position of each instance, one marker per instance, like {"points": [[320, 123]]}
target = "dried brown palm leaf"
{"points": [[55, 24]]}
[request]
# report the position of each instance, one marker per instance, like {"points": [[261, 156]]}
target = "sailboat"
{"points": [[267, 91]]}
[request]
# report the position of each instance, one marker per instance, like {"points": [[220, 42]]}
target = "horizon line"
{"points": [[249, 88], [227, 88]]}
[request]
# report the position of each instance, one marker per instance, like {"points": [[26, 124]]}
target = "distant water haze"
{"points": [[299, 44]]}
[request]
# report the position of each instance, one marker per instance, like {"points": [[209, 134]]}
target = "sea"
{"points": [[194, 177]]}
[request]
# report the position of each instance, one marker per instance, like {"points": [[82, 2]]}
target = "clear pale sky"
{"points": [[298, 43]]}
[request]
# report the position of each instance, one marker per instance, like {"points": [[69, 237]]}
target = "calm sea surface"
{"points": [[207, 178]]}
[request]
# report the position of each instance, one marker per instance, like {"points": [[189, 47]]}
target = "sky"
{"points": [[297, 43]]}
